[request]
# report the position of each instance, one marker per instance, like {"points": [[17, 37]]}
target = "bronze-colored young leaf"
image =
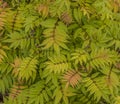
{"points": [[66, 18], [16, 90], [72, 78]]}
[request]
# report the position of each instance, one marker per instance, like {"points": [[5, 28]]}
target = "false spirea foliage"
{"points": [[60, 51]]}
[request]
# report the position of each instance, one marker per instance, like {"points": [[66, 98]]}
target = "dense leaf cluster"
{"points": [[60, 51]]}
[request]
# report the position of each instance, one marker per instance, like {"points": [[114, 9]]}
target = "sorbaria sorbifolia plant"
{"points": [[60, 51]]}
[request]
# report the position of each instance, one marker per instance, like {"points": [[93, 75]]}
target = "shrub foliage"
{"points": [[60, 51]]}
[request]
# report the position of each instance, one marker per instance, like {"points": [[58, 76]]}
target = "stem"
{"points": [[109, 74]]}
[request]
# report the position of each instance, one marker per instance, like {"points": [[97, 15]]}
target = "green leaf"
{"points": [[41, 99], [48, 23], [58, 97]]}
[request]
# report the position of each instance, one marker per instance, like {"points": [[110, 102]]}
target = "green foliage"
{"points": [[27, 69], [58, 64], [95, 86], [60, 51]]}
